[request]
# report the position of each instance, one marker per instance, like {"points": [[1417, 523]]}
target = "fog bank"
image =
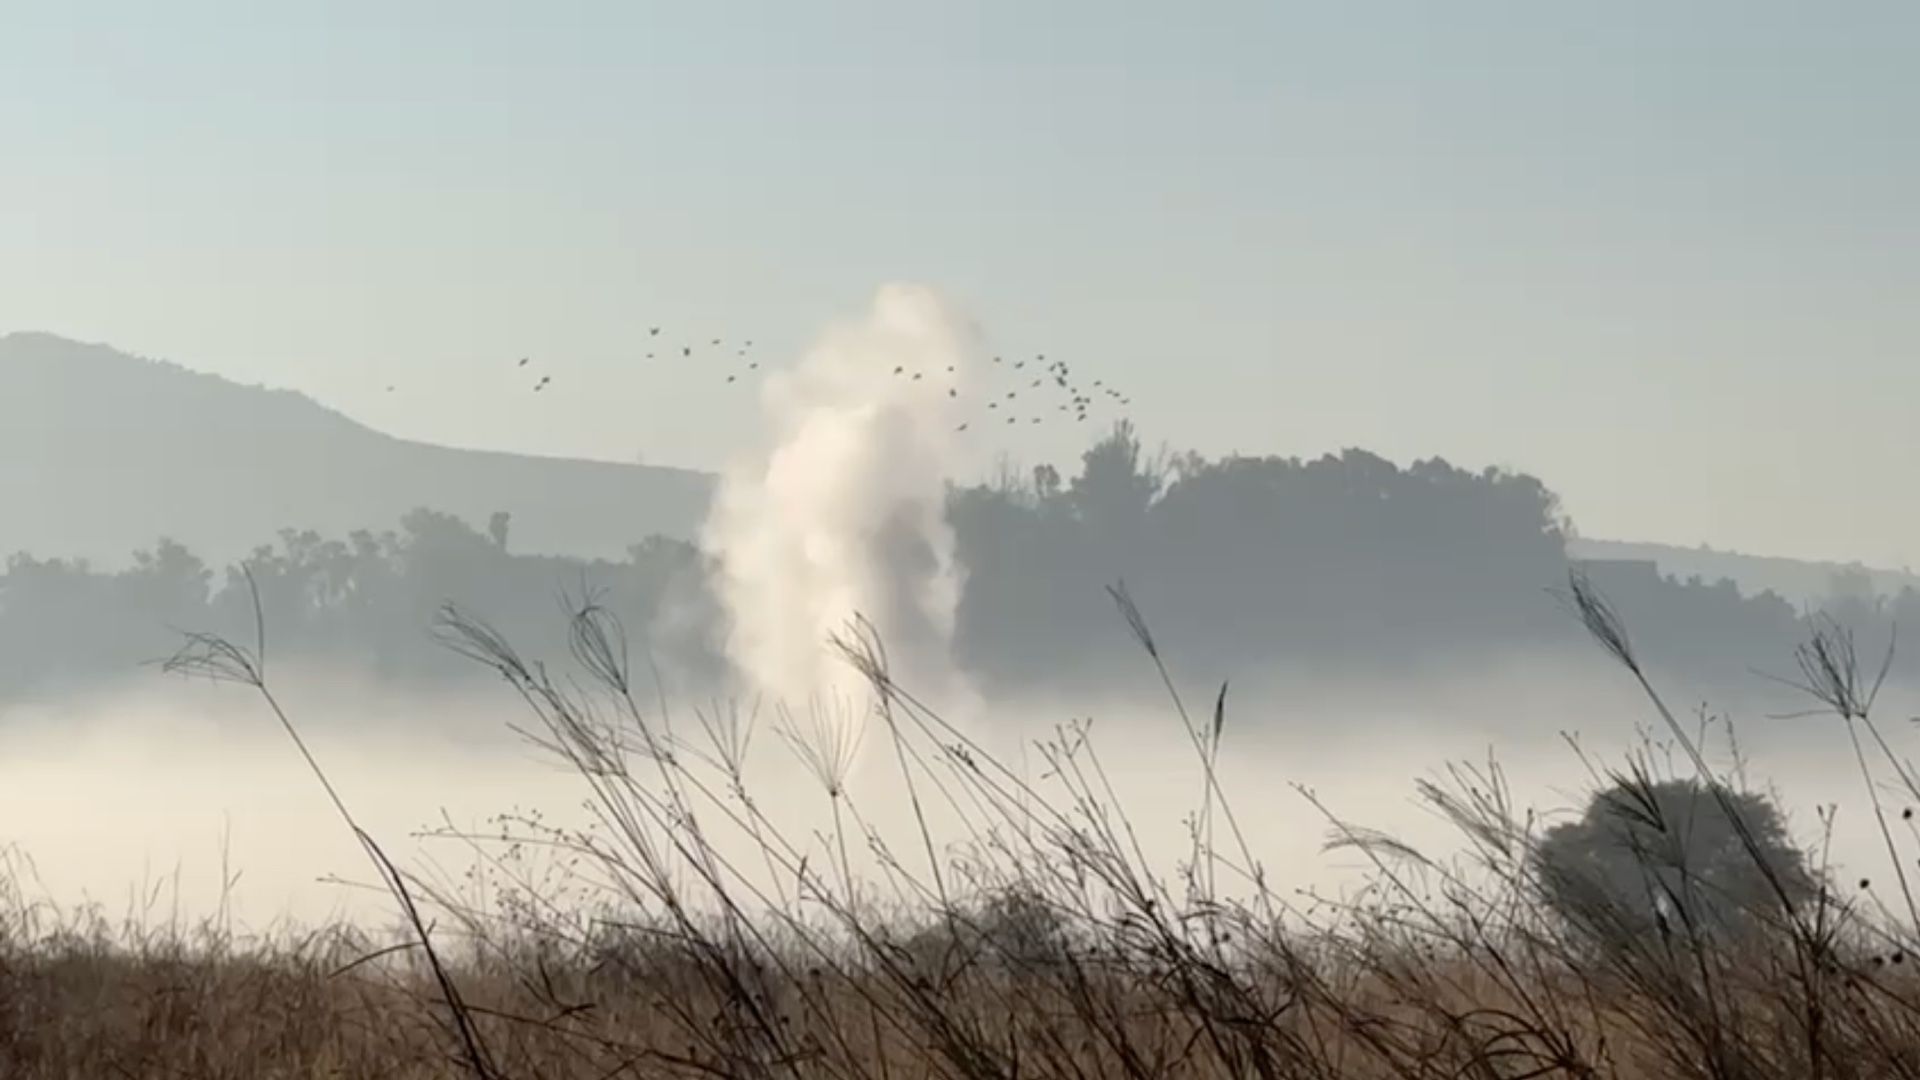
{"points": [[127, 799]]}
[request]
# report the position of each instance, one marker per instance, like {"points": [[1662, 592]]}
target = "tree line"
{"points": [[1347, 562]]}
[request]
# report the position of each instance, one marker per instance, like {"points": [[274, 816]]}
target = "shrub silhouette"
{"points": [[1666, 857]]}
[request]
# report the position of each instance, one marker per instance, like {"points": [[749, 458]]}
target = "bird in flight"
{"points": [[899, 369], [686, 350], [523, 361], [653, 331], [962, 427]]}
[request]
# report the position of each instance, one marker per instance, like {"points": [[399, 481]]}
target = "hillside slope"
{"points": [[101, 452], [1796, 580]]}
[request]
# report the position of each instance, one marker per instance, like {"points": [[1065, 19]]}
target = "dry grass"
{"points": [[1042, 946]]}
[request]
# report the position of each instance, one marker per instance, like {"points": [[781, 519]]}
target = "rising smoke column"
{"points": [[845, 512]]}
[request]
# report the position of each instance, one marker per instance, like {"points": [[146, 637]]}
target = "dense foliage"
{"points": [[1671, 857], [1245, 563]]}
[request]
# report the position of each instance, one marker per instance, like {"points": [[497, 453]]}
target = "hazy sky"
{"points": [[1664, 255]]}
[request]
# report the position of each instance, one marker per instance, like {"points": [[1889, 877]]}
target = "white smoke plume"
{"points": [[843, 514]]}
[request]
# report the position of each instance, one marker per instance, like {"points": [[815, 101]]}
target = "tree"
{"points": [[1852, 600], [1667, 857], [1046, 483], [167, 583], [1115, 487]]}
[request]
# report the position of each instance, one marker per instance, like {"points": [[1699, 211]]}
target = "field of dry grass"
{"points": [[1043, 946]]}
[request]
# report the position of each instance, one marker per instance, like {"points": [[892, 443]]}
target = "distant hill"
{"points": [[1797, 581], [101, 453]]}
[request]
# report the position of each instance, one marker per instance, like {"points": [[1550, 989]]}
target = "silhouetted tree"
{"points": [[1242, 564], [168, 583], [1666, 857], [1247, 562], [1046, 483], [365, 602], [1115, 487]]}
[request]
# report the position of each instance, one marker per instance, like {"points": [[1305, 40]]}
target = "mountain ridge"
{"points": [[1800, 581], [103, 452]]}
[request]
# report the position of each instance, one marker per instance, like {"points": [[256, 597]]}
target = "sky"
{"points": [[1661, 255]]}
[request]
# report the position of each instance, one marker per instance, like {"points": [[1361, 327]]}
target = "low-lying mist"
{"points": [[141, 799]]}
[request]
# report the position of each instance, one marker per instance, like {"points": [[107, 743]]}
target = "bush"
{"points": [[1666, 856]]}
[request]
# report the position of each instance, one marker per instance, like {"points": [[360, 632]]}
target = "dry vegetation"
{"points": [[1044, 946]]}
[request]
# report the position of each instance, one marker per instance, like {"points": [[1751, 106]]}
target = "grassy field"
{"points": [[1039, 944]]}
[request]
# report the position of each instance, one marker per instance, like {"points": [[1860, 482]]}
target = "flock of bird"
{"points": [[1049, 387], [1055, 377]]}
